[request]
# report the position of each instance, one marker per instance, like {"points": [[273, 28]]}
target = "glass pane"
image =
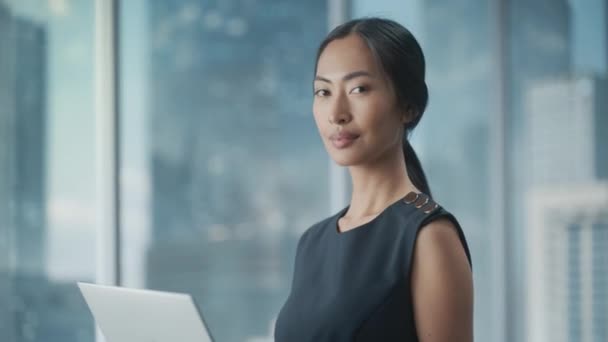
{"points": [[453, 139], [558, 134], [222, 166], [47, 197]]}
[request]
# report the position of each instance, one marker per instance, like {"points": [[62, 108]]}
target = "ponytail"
{"points": [[414, 168]]}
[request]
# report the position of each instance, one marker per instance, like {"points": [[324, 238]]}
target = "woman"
{"points": [[393, 265]]}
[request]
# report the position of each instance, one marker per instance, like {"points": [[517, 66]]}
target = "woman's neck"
{"points": [[377, 186]]}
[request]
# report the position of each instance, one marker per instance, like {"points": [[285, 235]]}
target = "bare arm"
{"points": [[442, 285]]}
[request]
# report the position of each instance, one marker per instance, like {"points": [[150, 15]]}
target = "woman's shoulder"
{"points": [[430, 218], [421, 209], [443, 226]]}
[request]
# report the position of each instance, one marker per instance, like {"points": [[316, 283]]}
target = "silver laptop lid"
{"points": [[131, 315]]}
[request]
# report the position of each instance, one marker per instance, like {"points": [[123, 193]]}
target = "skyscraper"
{"points": [[538, 47], [28, 173], [567, 280], [567, 209], [22, 191], [30, 139], [33, 308], [567, 130], [7, 323]]}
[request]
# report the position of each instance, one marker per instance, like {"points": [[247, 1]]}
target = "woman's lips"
{"points": [[343, 139]]}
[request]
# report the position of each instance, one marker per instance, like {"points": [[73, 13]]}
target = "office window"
{"points": [[222, 166]]}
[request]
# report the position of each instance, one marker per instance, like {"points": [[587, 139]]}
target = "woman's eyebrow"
{"points": [[346, 77]]}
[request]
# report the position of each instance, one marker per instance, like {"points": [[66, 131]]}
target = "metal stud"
{"points": [[410, 198], [429, 207], [422, 200]]}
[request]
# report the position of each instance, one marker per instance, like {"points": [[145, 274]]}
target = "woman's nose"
{"points": [[340, 111]]}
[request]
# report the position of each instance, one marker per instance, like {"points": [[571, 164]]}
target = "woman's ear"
{"points": [[409, 114]]}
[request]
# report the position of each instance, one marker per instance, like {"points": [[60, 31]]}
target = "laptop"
{"points": [[132, 315]]}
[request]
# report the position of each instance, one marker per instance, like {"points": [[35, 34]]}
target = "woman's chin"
{"points": [[343, 159]]}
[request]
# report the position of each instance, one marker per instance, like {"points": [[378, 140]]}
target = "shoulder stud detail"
{"points": [[421, 201], [429, 207], [410, 197]]}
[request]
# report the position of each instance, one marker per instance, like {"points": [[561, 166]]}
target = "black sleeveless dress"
{"points": [[355, 285]]}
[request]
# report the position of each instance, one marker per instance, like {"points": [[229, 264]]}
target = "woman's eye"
{"points": [[321, 92], [357, 90]]}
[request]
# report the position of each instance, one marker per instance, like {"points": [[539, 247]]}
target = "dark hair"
{"points": [[402, 60]]}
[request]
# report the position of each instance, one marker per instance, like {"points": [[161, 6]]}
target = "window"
{"points": [[222, 165]]}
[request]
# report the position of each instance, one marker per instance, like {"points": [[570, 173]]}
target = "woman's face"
{"points": [[354, 106]]}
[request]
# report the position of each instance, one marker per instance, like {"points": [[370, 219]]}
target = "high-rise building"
{"points": [[7, 322], [567, 209], [30, 138], [566, 130], [33, 308], [22, 155], [22, 188], [567, 281], [538, 47]]}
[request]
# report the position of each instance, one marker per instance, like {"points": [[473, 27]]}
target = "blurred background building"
{"points": [[220, 166], [567, 278]]}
